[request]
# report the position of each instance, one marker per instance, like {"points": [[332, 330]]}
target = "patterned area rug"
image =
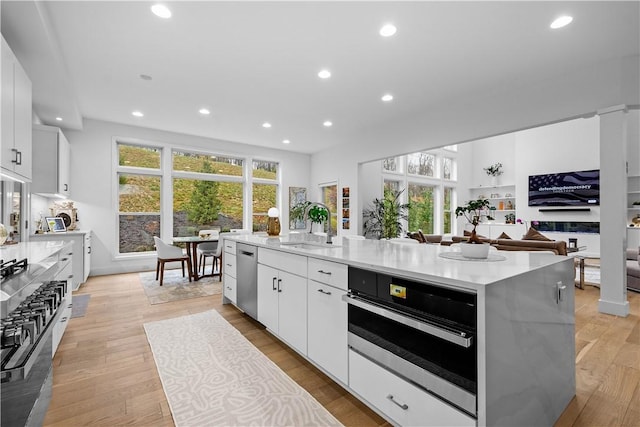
{"points": [[175, 287], [213, 376]]}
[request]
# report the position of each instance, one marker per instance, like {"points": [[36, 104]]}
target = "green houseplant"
{"points": [[472, 211], [317, 214], [384, 217]]}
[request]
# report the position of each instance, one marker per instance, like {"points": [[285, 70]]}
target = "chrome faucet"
{"points": [[306, 216]]}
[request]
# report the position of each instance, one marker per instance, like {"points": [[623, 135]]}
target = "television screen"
{"points": [[565, 189]]}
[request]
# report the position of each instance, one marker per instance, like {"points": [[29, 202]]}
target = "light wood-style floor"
{"points": [[104, 373]]}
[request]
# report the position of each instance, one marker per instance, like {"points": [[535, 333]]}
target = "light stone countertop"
{"points": [[421, 261], [33, 251]]}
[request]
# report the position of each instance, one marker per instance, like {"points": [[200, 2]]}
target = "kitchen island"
{"points": [[515, 354]]}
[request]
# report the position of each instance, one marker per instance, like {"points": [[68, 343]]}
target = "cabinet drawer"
{"points": [[331, 273], [230, 246], [230, 289], [402, 402], [61, 324], [294, 264], [230, 265]]}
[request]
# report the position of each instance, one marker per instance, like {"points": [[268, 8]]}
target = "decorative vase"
{"points": [[494, 180], [273, 226], [474, 250], [4, 234]]}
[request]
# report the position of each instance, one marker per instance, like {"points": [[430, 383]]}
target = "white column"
{"points": [[613, 208]]}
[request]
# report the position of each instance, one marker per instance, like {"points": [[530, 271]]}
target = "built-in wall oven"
{"points": [[423, 332]]}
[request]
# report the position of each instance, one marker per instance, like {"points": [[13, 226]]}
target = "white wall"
{"points": [[92, 180], [563, 147]]}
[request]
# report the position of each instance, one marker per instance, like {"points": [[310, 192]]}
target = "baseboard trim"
{"points": [[615, 308]]}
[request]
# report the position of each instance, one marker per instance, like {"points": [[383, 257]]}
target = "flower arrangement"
{"points": [[522, 221], [494, 170]]}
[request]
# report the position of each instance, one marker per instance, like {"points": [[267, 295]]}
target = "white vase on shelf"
{"points": [[494, 180]]}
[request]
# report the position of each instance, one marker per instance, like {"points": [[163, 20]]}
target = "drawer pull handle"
{"points": [[64, 319], [324, 272], [322, 291], [273, 283], [404, 406], [279, 282]]}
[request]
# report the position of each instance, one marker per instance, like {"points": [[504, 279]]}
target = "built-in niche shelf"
{"points": [[501, 197]]}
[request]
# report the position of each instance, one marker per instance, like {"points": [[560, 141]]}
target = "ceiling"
{"points": [[256, 62]]}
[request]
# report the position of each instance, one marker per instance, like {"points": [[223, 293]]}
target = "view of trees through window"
{"points": [[208, 192], [330, 198], [429, 189]]}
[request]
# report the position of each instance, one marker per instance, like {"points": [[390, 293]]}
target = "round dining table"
{"points": [[192, 243]]}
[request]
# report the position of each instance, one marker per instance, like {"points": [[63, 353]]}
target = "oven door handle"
{"points": [[456, 337]]}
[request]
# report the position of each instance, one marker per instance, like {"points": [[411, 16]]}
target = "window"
{"points": [[139, 195], [447, 210], [422, 164], [330, 198], [207, 192], [392, 164], [421, 211], [265, 192], [429, 182]]}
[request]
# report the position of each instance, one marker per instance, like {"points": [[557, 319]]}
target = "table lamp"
{"points": [[273, 223]]}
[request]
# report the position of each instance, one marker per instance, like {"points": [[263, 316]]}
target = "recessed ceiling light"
{"points": [[324, 74], [387, 97], [59, 119], [204, 111], [161, 10], [266, 125], [327, 123], [137, 113], [388, 30], [561, 22], [286, 141]]}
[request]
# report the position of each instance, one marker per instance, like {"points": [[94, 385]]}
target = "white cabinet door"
{"points": [[51, 161], [292, 309], [16, 115], [230, 288], [327, 329], [268, 297], [87, 256]]}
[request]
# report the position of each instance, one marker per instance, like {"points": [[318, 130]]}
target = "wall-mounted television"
{"points": [[565, 189]]}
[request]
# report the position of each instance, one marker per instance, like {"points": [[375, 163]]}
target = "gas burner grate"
{"points": [[12, 267]]}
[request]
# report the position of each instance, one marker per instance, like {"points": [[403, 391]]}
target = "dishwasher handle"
{"points": [[247, 253]]}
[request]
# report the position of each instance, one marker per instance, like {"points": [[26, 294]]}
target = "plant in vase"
{"points": [[317, 215], [494, 171], [472, 211]]}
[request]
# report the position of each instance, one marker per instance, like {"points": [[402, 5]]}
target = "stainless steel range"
{"points": [[32, 304]]}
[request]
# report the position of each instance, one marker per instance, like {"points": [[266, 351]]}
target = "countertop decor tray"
{"points": [[458, 256]]}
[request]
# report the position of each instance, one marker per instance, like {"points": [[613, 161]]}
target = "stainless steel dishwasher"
{"points": [[247, 279]]}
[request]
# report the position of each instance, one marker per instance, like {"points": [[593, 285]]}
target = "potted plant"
{"points": [[296, 214], [494, 171], [384, 217], [317, 215], [472, 211]]}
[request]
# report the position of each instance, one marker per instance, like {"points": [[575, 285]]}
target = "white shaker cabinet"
{"points": [[81, 252], [16, 115], [282, 296], [230, 289], [65, 262], [51, 161], [327, 317]]}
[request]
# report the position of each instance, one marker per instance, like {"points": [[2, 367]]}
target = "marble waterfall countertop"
{"points": [[414, 261]]}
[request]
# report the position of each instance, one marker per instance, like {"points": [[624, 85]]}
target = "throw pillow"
{"points": [[468, 233], [534, 234], [504, 235]]}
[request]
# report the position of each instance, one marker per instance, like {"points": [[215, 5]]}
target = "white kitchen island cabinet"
{"points": [[282, 296], [522, 330], [327, 317]]}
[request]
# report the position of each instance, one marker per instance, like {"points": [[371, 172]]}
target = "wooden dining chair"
{"points": [[169, 253]]}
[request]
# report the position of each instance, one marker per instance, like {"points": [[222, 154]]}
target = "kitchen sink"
{"points": [[308, 245]]}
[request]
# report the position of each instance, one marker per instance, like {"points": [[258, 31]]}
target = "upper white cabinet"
{"points": [[16, 115], [51, 161]]}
